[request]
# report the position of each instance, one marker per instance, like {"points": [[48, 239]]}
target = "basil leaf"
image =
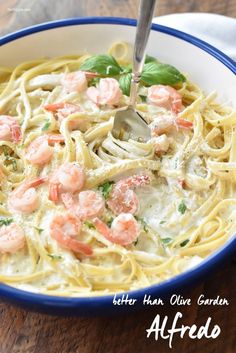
{"points": [[185, 242], [127, 69], [102, 64], [106, 189], [149, 59], [155, 73], [124, 82], [166, 241], [5, 221], [162, 222], [182, 207]]}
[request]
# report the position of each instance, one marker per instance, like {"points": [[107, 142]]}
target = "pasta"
{"points": [[83, 213]]}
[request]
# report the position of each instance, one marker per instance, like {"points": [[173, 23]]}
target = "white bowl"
{"points": [[205, 65]]}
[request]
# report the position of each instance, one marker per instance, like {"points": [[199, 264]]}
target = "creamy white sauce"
{"points": [[159, 207]]}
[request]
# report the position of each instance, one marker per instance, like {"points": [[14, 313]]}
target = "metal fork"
{"points": [[129, 123]]}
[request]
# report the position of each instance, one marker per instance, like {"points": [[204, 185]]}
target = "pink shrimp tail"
{"points": [[54, 192], [78, 246], [177, 105], [37, 181], [16, 133], [103, 229], [54, 106], [73, 244], [184, 124], [91, 74]]}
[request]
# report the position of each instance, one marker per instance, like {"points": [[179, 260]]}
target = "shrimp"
{"points": [[9, 129], [69, 177], [124, 229], [64, 228], [40, 152], [24, 198], [166, 97], [63, 110], [90, 204], [74, 81], [183, 123], [123, 199], [166, 123], [12, 238], [107, 92]]}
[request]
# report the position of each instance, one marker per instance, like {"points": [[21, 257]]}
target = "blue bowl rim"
{"points": [[36, 299]]}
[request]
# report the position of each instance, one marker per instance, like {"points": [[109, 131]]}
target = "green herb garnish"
{"points": [[8, 158], [106, 189], [94, 81], [185, 242], [89, 224], [149, 59], [162, 222], [40, 230], [143, 98], [166, 241], [126, 69], [143, 222], [102, 64], [109, 222], [55, 257], [155, 73], [13, 162], [125, 82], [46, 126], [5, 221], [6, 150], [182, 207]]}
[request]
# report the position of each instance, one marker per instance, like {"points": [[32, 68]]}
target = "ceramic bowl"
{"points": [[204, 64]]}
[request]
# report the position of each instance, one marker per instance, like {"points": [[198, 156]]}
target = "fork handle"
{"points": [[145, 15]]}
